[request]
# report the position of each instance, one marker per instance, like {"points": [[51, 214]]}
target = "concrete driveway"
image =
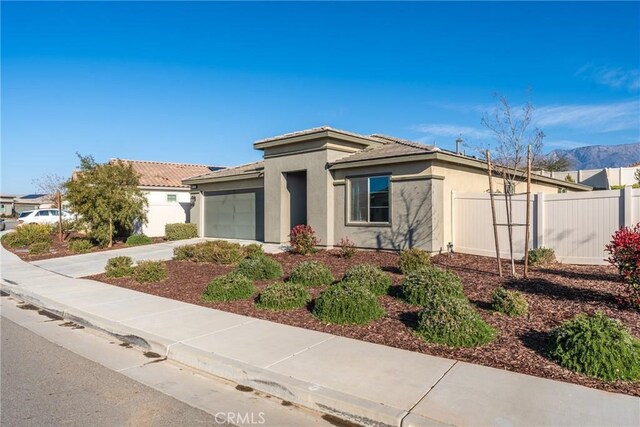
{"points": [[93, 263]]}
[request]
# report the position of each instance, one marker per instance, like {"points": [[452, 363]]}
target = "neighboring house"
{"points": [[381, 192], [169, 199], [601, 179], [6, 204], [31, 202]]}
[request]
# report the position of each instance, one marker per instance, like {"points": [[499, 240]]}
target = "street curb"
{"points": [[312, 396]]}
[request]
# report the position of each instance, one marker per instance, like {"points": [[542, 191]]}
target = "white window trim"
{"points": [[368, 221]]}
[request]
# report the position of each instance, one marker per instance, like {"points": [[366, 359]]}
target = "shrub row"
{"points": [[180, 231], [28, 234], [144, 272], [216, 252]]}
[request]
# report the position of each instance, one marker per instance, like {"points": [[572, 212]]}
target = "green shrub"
{"points": [[346, 304], [120, 266], [180, 231], [597, 346], [347, 248], [511, 303], [216, 252], [414, 259], [138, 239], [27, 234], [422, 285], [369, 276], [260, 268], [229, 287], [541, 256], [37, 248], [80, 246], [150, 271], [283, 296], [253, 250], [452, 321], [311, 273]]}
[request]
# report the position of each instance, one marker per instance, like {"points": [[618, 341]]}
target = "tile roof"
{"points": [[309, 132], [165, 174], [392, 147], [232, 171]]}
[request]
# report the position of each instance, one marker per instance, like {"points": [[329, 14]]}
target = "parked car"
{"points": [[42, 216], [2, 224]]}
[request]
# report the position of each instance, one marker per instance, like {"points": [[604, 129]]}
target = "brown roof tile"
{"points": [[393, 147], [165, 174]]}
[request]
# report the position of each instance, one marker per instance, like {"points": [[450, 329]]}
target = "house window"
{"points": [[370, 199], [172, 198]]}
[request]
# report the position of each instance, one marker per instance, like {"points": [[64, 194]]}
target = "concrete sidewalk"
{"points": [[94, 263], [365, 383]]}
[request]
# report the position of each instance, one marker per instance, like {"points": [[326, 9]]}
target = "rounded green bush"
{"points": [[180, 231], [229, 287], [597, 346], [150, 271], [253, 250], [260, 268], [369, 276], [422, 285], [80, 246], [28, 234], [120, 266], [37, 248], [414, 259], [311, 273], [511, 303], [283, 296], [346, 304], [138, 239], [452, 321], [541, 256]]}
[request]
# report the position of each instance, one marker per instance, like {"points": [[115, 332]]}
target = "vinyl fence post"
{"points": [[627, 203], [539, 220]]}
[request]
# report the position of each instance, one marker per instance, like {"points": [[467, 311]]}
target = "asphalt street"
{"points": [[44, 384]]}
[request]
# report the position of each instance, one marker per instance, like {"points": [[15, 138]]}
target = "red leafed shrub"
{"points": [[624, 251], [303, 239]]}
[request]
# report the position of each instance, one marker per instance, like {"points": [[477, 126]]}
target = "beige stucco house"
{"points": [[379, 191]]}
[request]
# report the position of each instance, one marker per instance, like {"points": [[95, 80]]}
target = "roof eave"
{"points": [[313, 135], [213, 179]]}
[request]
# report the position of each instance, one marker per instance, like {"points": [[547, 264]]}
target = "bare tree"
{"points": [[518, 142], [54, 187]]}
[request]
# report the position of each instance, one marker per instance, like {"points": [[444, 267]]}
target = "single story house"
{"points": [[379, 191], [169, 199], [6, 204], [30, 202]]}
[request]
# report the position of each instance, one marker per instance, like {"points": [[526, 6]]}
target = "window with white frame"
{"points": [[172, 198], [369, 199]]}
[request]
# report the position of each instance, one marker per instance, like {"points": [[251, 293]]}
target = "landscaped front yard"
{"points": [[554, 294]]}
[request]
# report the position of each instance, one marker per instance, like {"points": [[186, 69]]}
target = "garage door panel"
{"points": [[237, 215]]}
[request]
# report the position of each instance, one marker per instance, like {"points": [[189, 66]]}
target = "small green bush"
{"points": [[80, 246], [150, 271], [453, 322], [216, 252], [311, 273], [511, 303], [120, 266], [229, 287], [283, 296], [138, 239], [422, 285], [414, 259], [369, 276], [541, 256], [597, 346], [253, 250], [260, 268], [37, 248], [27, 234], [347, 304], [180, 231]]}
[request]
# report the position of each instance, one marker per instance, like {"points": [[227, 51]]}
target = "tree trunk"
{"points": [[110, 232]]}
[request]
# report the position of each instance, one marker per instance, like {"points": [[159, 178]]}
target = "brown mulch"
{"points": [[60, 249], [555, 293]]}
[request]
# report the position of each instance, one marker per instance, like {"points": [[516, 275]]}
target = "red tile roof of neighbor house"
{"points": [[166, 174]]}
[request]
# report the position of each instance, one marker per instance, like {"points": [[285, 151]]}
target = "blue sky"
{"points": [[199, 82]]}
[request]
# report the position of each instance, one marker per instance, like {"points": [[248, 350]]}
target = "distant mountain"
{"points": [[601, 156]]}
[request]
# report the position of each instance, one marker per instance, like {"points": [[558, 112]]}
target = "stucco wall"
{"points": [[162, 212]]}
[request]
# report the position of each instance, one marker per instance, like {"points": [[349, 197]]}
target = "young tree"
{"points": [[53, 186], [106, 198], [518, 142]]}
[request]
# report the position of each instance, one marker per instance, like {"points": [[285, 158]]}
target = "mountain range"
{"points": [[600, 156]]}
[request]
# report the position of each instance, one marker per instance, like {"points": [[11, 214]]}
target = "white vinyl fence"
{"points": [[577, 226]]}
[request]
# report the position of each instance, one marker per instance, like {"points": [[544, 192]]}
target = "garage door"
{"points": [[234, 214]]}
